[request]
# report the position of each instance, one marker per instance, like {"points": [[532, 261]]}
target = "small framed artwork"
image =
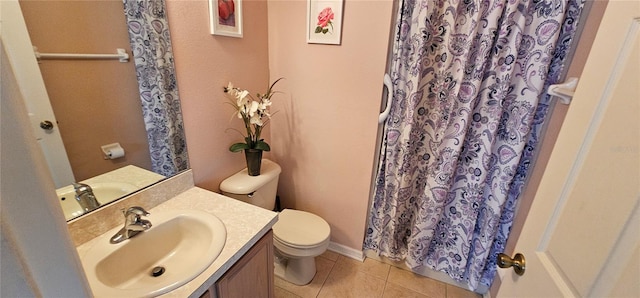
{"points": [[225, 17], [324, 21]]}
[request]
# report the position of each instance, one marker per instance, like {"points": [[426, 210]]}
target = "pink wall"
{"points": [[325, 131], [204, 64]]}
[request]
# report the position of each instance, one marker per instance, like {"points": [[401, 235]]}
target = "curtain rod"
{"points": [[121, 55]]}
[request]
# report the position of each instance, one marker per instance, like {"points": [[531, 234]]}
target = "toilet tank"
{"points": [[256, 190]]}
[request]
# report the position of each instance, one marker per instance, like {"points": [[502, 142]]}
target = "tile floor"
{"points": [[339, 276]]}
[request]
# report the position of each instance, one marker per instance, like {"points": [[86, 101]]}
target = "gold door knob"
{"points": [[518, 262]]}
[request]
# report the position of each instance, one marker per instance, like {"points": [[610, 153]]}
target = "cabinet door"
{"points": [[252, 275]]}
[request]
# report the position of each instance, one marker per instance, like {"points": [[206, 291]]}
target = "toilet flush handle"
{"points": [[250, 195]]}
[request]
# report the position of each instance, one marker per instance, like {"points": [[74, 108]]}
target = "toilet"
{"points": [[298, 236]]}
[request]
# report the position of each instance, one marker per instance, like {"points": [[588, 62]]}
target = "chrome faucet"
{"points": [[133, 224], [85, 197]]}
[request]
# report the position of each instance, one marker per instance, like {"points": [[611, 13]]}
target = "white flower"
{"points": [[256, 119], [241, 96], [252, 110], [265, 103]]}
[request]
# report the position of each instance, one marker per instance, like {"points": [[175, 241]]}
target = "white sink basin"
{"points": [[105, 192], [183, 242]]}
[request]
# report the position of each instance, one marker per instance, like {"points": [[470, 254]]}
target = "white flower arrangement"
{"points": [[255, 114]]}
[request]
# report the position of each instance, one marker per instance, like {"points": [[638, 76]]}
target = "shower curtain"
{"points": [[468, 106], [153, 58]]}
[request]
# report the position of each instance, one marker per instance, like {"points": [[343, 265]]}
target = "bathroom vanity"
{"points": [[244, 266], [255, 268]]}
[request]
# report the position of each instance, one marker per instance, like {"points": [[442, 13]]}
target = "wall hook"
{"points": [[564, 91]]}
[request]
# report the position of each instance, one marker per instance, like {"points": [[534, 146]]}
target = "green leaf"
{"points": [[318, 29], [262, 145], [237, 147], [325, 30]]}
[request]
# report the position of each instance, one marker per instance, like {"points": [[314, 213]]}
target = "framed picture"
{"points": [[324, 21], [225, 17]]}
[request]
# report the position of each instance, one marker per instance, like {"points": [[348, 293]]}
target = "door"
{"points": [[17, 43], [581, 236]]}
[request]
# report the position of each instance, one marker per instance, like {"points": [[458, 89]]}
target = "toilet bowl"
{"points": [[298, 236]]}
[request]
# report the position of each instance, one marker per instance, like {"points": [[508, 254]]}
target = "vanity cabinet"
{"points": [[251, 276]]}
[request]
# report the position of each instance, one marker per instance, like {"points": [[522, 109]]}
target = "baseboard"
{"points": [[346, 251]]}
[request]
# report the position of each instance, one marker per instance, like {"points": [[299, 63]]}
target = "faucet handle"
{"points": [[136, 210], [81, 187]]}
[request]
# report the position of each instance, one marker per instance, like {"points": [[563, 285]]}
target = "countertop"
{"points": [[245, 225]]}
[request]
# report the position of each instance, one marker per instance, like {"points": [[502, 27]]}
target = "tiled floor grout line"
{"points": [[386, 283], [328, 274], [446, 290]]}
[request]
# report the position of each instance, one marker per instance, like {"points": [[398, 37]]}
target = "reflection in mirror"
{"points": [[107, 187], [99, 102]]}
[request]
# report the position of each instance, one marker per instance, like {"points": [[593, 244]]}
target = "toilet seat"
{"points": [[301, 230]]}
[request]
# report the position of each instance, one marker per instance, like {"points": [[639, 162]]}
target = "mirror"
{"points": [[98, 102]]}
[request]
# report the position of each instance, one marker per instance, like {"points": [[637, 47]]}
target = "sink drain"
{"points": [[157, 271]]}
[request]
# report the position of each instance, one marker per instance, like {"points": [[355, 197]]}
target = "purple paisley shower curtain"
{"points": [[468, 107], [153, 57]]}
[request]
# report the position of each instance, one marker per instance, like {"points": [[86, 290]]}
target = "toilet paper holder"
{"points": [[112, 151]]}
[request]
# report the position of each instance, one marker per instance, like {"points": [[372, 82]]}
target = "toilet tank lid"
{"points": [[241, 183]]}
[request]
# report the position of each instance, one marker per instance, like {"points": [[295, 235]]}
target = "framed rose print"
{"points": [[225, 17], [324, 21]]}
